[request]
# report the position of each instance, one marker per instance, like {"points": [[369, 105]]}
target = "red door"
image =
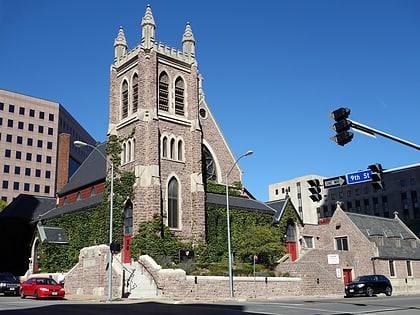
{"points": [[126, 253], [291, 249], [347, 275]]}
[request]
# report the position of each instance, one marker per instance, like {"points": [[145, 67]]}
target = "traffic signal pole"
{"points": [[372, 132], [343, 124]]}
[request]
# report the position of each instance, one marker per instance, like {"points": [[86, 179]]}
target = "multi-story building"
{"points": [[36, 145], [400, 193]]}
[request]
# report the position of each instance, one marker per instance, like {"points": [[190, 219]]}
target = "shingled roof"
{"points": [[92, 170], [397, 241], [238, 203]]}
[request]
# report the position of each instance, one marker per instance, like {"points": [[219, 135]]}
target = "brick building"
{"points": [[37, 154]]}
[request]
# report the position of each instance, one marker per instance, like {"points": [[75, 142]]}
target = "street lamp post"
{"points": [[84, 144], [228, 222]]}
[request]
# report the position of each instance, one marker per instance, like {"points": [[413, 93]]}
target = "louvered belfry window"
{"points": [[163, 92]]}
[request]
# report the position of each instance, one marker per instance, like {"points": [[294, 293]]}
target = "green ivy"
{"points": [[90, 227]]}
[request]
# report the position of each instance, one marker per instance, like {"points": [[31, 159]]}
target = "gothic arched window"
{"points": [[209, 165], [172, 149], [173, 203], [128, 218], [290, 232], [163, 92], [165, 147], [180, 149], [124, 100], [135, 85], [179, 96]]}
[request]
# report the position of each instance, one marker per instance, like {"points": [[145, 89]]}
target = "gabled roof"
{"points": [[28, 207], [92, 170], [238, 203], [280, 207], [390, 231]]}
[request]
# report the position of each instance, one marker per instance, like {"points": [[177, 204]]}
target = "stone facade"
{"points": [[163, 133], [325, 262]]}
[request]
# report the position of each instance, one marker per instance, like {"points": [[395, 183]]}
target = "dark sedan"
{"points": [[9, 285], [368, 285]]}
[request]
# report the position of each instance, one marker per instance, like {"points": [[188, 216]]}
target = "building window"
{"points": [[180, 149], [409, 270], [31, 113], [79, 196], [19, 140], [29, 142], [163, 92], [18, 155], [39, 158], [135, 92], [15, 185], [309, 241], [47, 174], [128, 218], [341, 243], [40, 129], [27, 171], [173, 203], [9, 138], [30, 127], [93, 191], [391, 268], [50, 131], [41, 115], [172, 149], [51, 117], [49, 159], [37, 173], [37, 188], [49, 145], [10, 123], [6, 168], [21, 125], [124, 100], [17, 170], [179, 97], [11, 108], [165, 147], [5, 184], [26, 187], [1, 106], [21, 110], [39, 144], [7, 153]]}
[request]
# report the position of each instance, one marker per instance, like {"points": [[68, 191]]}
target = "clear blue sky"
{"points": [[273, 70]]}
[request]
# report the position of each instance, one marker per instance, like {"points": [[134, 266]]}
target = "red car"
{"points": [[41, 287]]}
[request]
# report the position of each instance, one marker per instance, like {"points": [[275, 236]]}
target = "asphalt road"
{"points": [[378, 305]]}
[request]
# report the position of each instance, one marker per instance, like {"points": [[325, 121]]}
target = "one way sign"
{"points": [[335, 181]]}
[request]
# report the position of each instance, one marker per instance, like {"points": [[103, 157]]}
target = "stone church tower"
{"points": [[169, 136]]}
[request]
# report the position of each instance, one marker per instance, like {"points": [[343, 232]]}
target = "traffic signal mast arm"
{"points": [[371, 132]]}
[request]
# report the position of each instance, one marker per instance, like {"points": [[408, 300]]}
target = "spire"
{"points": [[120, 44], [148, 27], [188, 41]]}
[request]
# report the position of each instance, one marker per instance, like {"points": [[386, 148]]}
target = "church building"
{"points": [[169, 137]]}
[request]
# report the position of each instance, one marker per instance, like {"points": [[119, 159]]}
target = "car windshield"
{"points": [[46, 281], [362, 278], [7, 277]]}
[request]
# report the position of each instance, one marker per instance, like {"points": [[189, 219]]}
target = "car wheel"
{"points": [[36, 295], [369, 291], [22, 294], [388, 291]]}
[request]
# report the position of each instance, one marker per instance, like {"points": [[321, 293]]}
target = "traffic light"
{"points": [[377, 176], [341, 126], [315, 189]]}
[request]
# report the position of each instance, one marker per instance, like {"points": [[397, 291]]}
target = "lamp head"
{"points": [[79, 144], [250, 152]]}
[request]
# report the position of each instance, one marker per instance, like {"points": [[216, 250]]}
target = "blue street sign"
{"points": [[358, 177]]}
